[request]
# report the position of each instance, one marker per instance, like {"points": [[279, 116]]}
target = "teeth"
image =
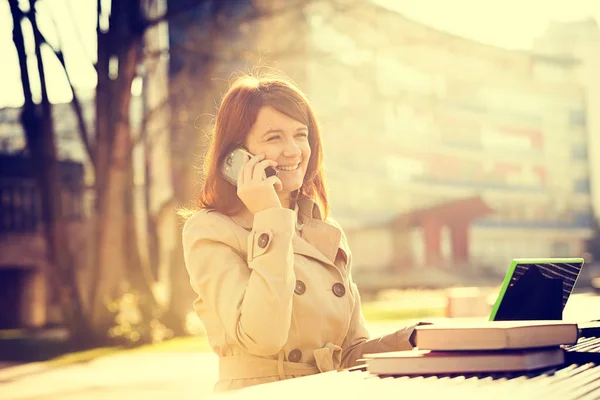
{"points": [[288, 168]]}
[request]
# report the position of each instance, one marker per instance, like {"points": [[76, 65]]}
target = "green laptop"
{"points": [[536, 289]]}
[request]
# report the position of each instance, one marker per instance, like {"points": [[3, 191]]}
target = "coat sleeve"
{"points": [[358, 342], [252, 297]]}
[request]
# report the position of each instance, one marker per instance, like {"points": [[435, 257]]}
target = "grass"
{"points": [[56, 354], [375, 312], [82, 356], [180, 344], [12, 333], [188, 343]]}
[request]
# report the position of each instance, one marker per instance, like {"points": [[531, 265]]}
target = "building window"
{"points": [[580, 152], [403, 169], [581, 186], [546, 72], [577, 118]]}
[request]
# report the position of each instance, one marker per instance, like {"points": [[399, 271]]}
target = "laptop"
{"points": [[536, 289]]}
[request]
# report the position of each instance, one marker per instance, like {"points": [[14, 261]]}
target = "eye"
{"points": [[272, 138], [302, 134]]}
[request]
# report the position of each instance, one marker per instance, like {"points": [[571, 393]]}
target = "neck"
{"points": [[286, 200]]}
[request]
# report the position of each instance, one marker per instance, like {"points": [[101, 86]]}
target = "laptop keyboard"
{"points": [[587, 348]]}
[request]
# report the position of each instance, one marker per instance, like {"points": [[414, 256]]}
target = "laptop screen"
{"points": [[536, 289]]}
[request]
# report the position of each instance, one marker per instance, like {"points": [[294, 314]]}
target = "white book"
{"points": [[425, 362], [495, 335]]}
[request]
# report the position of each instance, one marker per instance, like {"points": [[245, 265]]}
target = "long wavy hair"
{"points": [[235, 117]]}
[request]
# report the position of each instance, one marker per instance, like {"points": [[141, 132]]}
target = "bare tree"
{"points": [[40, 137]]}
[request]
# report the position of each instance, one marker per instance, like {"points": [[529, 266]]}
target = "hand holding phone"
{"points": [[255, 177], [234, 162]]}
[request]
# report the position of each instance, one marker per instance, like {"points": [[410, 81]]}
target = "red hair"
{"points": [[236, 116]]}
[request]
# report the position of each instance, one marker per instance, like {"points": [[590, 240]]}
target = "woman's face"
{"points": [[284, 140]]}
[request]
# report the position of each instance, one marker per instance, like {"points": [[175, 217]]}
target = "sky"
{"points": [[511, 24], [505, 23], [77, 40]]}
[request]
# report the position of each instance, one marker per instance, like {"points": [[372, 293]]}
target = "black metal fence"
{"points": [[20, 206]]}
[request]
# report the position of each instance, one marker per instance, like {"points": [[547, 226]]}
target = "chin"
{"points": [[291, 186]]}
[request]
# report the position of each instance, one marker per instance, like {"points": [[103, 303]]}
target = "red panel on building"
{"points": [[504, 169], [457, 215], [535, 136], [541, 172]]}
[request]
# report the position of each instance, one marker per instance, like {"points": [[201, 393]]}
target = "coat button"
{"points": [[300, 287], [338, 289], [263, 240], [295, 355]]}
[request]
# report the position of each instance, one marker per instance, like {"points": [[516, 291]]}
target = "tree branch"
{"points": [[75, 103], [17, 16], [40, 63], [215, 9], [183, 7], [78, 34]]}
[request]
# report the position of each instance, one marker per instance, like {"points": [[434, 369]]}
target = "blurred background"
{"points": [[458, 136]]}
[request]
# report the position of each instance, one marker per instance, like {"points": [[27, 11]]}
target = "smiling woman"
{"points": [[272, 119], [284, 140], [272, 272]]}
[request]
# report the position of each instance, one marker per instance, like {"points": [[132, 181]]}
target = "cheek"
{"points": [[306, 152], [251, 146], [256, 148], [272, 154]]}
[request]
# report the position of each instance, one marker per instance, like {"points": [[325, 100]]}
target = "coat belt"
{"points": [[249, 366]]}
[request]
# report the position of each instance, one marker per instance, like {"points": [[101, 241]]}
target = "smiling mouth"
{"points": [[288, 167]]}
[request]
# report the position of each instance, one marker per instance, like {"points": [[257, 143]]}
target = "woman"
{"points": [[271, 271]]}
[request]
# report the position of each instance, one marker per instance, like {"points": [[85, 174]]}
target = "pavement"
{"points": [[163, 375], [126, 375], [132, 376]]}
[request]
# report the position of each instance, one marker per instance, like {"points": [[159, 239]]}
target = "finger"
{"points": [[276, 182], [259, 169], [249, 166]]}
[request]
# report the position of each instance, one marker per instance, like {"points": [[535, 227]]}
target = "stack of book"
{"points": [[459, 347]]}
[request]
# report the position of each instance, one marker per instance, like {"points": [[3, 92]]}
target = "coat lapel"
{"points": [[319, 240]]}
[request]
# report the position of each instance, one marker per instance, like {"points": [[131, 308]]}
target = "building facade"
{"points": [[417, 119], [26, 296]]}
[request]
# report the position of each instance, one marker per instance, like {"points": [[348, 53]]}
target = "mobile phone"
{"points": [[234, 161]]}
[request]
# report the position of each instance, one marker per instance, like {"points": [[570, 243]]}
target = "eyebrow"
{"points": [[279, 130]]}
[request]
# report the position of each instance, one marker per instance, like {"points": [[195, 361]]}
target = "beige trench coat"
{"points": [[276, 295]]}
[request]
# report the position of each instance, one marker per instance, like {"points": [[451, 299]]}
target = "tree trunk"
{"points": [[118, 261], [187, 143], [39, 131], [100, 315], [114, 194]]}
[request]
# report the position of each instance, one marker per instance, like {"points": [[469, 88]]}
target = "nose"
{"points": [[291, 149]]}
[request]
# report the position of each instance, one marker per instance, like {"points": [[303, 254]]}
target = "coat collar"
{"points": [[306, 209], [319, 239]]}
